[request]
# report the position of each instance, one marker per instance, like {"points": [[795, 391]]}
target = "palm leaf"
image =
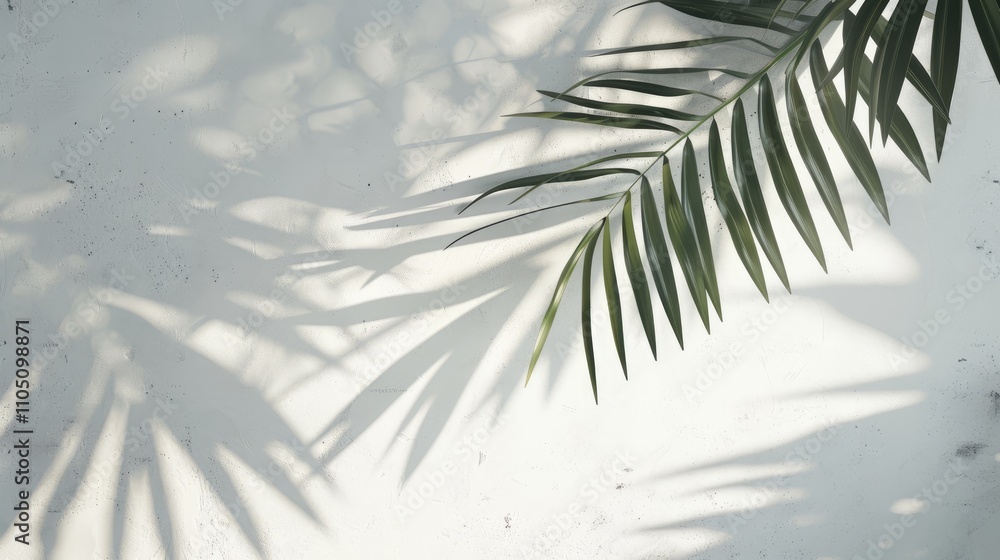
{"points": [[751, 194], [855, 39], [748, 221], [736, 220], [647, 88], [695, 213], [687, 44], [587, 118], [536, 181], [585, 323], [786, 180], [637, 274], [682, 238], [550, 313], [892, 59], [811, 150], [614, 299], [659, 260], [986, 14], [625, 108], [946, 43], [850, 139]]}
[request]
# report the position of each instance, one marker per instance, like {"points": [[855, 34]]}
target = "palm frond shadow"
{"points": [[799, 498], [173, 338]]}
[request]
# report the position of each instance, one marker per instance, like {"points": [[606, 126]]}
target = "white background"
{"points": [[291, 367]]}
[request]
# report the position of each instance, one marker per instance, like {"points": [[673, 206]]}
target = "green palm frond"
{"points": [[678, 233]]}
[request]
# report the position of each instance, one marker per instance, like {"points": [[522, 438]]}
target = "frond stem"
{"points": [[778, 57]]}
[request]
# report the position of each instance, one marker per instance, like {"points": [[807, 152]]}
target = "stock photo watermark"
{"points": [[957, 299], [470, 446], [82, 317], [365, 34], [122, 106], [720, 364], [219, 179], [29, 27], [405, 339], [560, 525], [798, 458], [929, 496]]}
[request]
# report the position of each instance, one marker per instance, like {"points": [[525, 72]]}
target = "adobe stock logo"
{"points": [[958, 298], [365, 34], [896, 531], [47, 11]]}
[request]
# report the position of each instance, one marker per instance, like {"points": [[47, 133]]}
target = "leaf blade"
{"points": [[946, 43], [720, 39], [691, 201], [811, 150], [783, 171], [600, 120], [648, 88], [536, 181], [732, 214], [637, 274], [855, 39], [898, 42], [900, 130], [585, 322], [557, 295], [986, 14], [613, 297], [602, 198], [685, 247], [851, 141], [752, 194], [624, 108], [659, 260]]}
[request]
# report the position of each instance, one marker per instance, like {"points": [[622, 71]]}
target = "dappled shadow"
{"points": [[231, 291]]}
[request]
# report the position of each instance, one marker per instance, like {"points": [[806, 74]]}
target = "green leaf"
{"points": [[685, 245], [986, 14], [637, 274], [550, 313], [587, 118], [777, 10], [752, 195], [545, 178], [687, 44], [900, 130], [856, 37], [830, 13], [916, 74], [630, 155], [802, 8], [733, 215], [659, 259], [946, 42], [892, 60], [602, 198], [811, 150], [647, 88], [851, 141], [725, 11], [614, 299], [695, 213], [626, 108], [783, 171], [673, 71], [588, 338]]}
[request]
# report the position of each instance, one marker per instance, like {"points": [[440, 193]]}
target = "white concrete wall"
{"points": [[247, 342]]}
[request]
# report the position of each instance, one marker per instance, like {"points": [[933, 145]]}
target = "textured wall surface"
{"points": [[224, 222]]}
